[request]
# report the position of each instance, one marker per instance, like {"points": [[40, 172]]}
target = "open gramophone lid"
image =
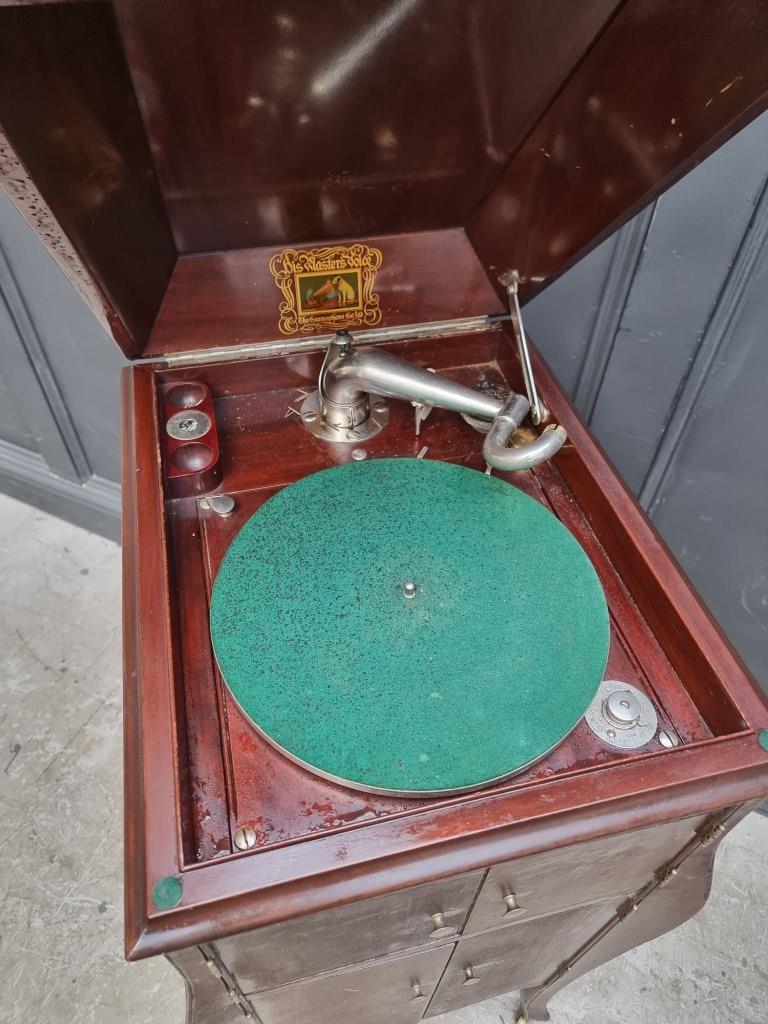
{"points": [[409, 627]]}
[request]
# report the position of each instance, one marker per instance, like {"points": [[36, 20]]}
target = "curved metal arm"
{"points": [[495, 451], [348, 374]]}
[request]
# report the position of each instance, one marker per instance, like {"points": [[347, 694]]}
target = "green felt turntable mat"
{"points": [[488, 666]]}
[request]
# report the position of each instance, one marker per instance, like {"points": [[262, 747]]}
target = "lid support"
{"points": [[510, 280]]}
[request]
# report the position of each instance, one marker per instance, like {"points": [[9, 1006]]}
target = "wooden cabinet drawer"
{"points": [[511, 958], [307, 946], [573, 875], [395, 991]]}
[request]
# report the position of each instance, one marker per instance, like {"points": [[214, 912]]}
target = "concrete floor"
{"points": [[60, 800]]}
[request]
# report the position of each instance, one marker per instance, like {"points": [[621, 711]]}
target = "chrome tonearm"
{"points": [[348, 406]]}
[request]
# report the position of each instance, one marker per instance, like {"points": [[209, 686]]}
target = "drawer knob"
{"points": [[510, 902], [470, 978], [440, 929], [416, 992]]}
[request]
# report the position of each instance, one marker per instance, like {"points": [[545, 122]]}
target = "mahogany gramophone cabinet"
{"points": [[230, 184]]}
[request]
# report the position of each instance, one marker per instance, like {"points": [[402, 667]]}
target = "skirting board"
{"points": [[94, 505]]}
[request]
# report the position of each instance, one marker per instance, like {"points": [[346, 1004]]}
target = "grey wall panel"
{"points": [[83, 360], [696, 229], [13, 426], [25, 370], [562, 318], [673, 373], [713, 508]]}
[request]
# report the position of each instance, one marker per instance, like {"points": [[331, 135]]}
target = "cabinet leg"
{"points": [[533, 1008], [208, 1001], [667, 907]]}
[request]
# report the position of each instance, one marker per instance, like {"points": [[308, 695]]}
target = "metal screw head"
{"points": [[380, 407], [221, 504], [245, 837], [409, 589], [668, 739], [358, 454], [309, 416], [188, 426], [622, 708]]}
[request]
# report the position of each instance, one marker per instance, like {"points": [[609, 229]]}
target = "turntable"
{"points": [[418, 707], [407, 627]]}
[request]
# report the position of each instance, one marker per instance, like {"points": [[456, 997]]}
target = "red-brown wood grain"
{"points": [[205, 796], [68, 110], [280, 811], [280, 123], [230, 298], [154, 811], [284, 802], [345, 845], [663, 86], [539, 128], [249, 890], [200, 471]]}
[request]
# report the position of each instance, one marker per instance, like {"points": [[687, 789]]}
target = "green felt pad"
{"points": [[490, 665], [166, 892]]}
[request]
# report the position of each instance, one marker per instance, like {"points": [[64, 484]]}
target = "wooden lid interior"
{"points": [[500, 133]]}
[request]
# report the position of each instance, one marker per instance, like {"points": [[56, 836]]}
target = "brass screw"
{"points": [[245, 837]]}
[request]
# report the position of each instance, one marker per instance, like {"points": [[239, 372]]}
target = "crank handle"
{"points": [[495, 451]]}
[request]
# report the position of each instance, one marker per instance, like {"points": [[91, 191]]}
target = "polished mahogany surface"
{"points": [[67, 104], [413, 133], [234, 776], [195, 769], [292, 121], [663, 86], [187, 126], [230, 298]]}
